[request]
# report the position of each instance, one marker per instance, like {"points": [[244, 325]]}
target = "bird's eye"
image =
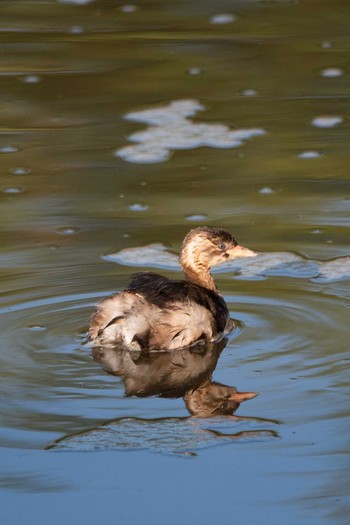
{"points": [[221, 246]]}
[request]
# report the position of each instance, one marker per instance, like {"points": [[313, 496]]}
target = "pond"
{"points": [[123, 127]]}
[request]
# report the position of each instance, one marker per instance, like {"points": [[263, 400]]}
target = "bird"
{"points": [[155, 313]]}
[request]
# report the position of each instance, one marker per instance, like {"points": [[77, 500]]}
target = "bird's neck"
{"points": [[200, 276]]}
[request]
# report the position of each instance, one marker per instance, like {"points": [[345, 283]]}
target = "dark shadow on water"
{"points": [[185, 373]]}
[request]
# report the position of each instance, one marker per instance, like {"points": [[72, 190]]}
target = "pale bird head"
{"points": [[205, 247]]}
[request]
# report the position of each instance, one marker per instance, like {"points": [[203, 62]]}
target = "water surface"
{"points": [[72, 209]]}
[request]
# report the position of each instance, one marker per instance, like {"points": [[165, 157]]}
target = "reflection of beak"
{"points": [[242, 396], [240, 251]]}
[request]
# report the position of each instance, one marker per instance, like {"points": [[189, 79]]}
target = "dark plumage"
{"points": [[157, 290], [157, 313]]}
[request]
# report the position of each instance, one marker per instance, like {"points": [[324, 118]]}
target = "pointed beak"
{"points": [[239, 397], [240, 251]]}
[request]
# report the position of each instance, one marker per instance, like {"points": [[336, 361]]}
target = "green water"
{"points": [[69, 73]]}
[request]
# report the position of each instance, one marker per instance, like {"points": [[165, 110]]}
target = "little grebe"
{"points": [[157, 313]]}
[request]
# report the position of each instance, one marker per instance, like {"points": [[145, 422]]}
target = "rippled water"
{"points": [[77, 219]]}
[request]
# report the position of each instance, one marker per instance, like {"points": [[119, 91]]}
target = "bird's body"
{"points": [[157, 313]]}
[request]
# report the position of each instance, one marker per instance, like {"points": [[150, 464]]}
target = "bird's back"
{"points": [[158, 313]]}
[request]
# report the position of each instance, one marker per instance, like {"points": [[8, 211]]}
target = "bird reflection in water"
{"points": [[185, 373]]}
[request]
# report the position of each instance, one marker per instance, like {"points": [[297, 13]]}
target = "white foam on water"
{"points": [[267, 190], [143, 154], [31, 79], [9, 149], [78, 2], [170, 129], [68, 230], [310, 154], [176, 111], [194, 71], [179, 436], [76, 30], [332, 72], [327, 122], [12, 189], [334, 270], [224, 18], [128, 8], [249, 92], [196, 217], [264, 265], [138, 207], [20, 171], [153, 255]]}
